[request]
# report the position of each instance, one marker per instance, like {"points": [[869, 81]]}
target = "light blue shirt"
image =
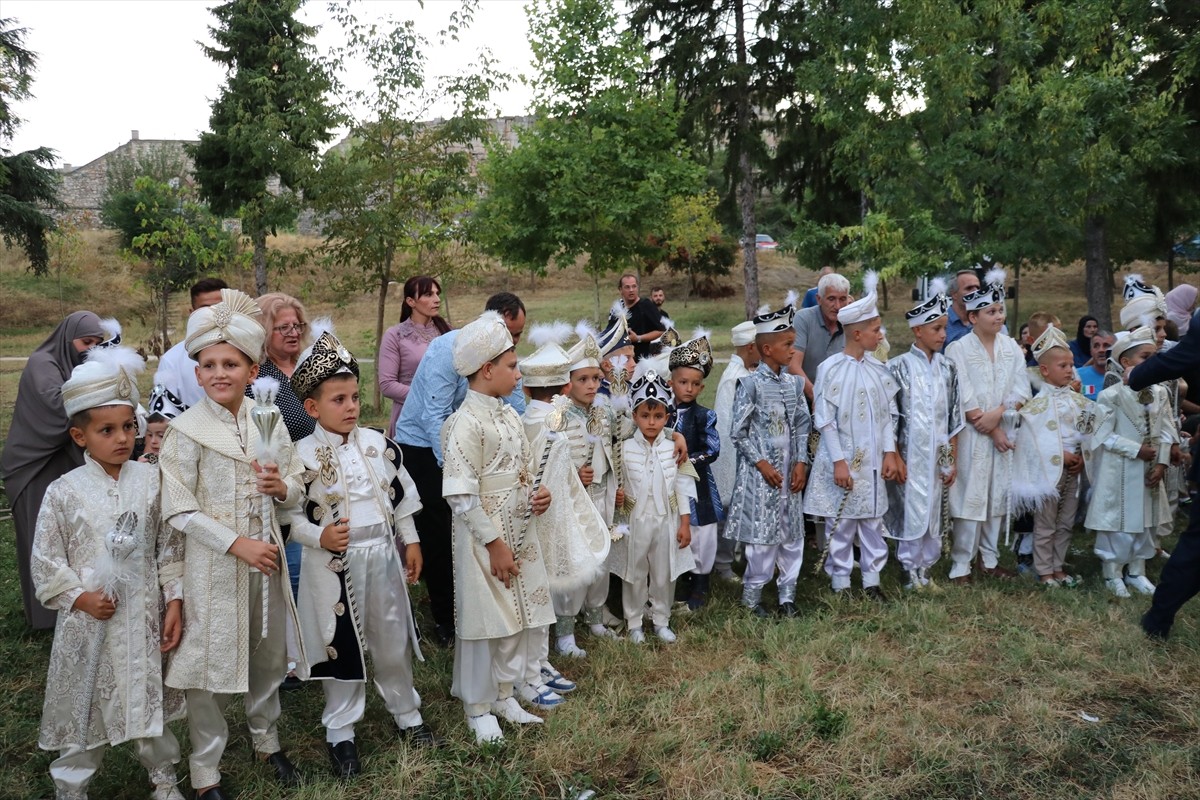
{"points": [[435, 393]]}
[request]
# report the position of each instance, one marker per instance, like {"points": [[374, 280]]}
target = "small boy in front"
{"points": [[103, 559], [855, 409], [164, 406], [501, 592], [353, 596]]}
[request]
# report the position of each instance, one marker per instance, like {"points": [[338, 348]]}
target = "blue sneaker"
{"points": [[553, 679]]}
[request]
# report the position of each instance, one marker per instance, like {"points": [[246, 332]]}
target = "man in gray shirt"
{"points": [[818, 332]]}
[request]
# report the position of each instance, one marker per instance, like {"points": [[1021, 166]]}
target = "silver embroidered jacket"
{"points": [[770, 422], [930, 416]]}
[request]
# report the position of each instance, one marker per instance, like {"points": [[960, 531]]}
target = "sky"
{"points": [[107, 67]]}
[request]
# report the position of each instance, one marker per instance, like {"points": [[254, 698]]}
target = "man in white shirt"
{"points": [[176, 370]]}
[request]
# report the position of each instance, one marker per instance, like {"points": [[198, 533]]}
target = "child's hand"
{"points": [[96, 604], [949, 475], [987, 422], [681, 453], [269, 481], [262, 556], [620, 497], [504, 567], [770, 474], [336, 536], [1147, 453], [540, 501], [1072, 462], [1176, 455], [841, 475], [799, 476], [1156, 475], [1000, 440], [413, 561], [172, 628], [893, 468], [586, 474], [684, 534]]}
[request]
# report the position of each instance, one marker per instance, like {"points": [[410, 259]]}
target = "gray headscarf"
{"points": [[39, 424]]}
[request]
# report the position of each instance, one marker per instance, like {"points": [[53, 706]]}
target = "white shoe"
{"points": [[728, 574], [538, 696], [510, 710], [166, 791], [665, 634], [565, 645], [1116, 587], [1139, 583], [610, 619], [637, 636], [602, 632], [486, 728]]}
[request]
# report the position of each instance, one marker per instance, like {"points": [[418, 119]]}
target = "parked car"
{"points": [[764, 242], [1189, 250]]}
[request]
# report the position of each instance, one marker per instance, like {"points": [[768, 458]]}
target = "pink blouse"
{"points": [[401, 350]]}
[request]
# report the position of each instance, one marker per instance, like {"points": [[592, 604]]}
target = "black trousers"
{"points": [[1180, 579], [433, 522]]}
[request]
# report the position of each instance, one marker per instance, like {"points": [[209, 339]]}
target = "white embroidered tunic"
{"points": [[1058, 420], [124, 698], [660, 491]]}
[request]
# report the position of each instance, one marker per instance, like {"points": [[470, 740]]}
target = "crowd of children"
{"points": [[169, 566]]}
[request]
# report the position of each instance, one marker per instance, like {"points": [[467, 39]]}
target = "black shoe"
{"points": [[291, 683], [875, 594], [285, 771], [1156, 632], [344, 758], [788, 610], [444, 635], [213, 793], [420, 736], [761, 612]]}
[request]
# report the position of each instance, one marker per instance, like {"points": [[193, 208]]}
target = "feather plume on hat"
{"points": [[555, 332]]}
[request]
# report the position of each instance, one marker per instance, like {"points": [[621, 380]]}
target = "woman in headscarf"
{"points": [[39, 450], [404, 345], [1081, 345], [1181, 302]]}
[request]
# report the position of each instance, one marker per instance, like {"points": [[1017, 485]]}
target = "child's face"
{"points": [[1057, 367], [1160, 333], [154, 436], [932, 335], [990, 319], [650, 418], [1100, 345], [1129, 360], [500, 377], [335, 404], [869, 335], [776, 349], [224, 372], [584, 384], [108, 436], [687, 384]]}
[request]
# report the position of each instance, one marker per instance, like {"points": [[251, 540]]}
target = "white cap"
{"points": [[479, 342]]}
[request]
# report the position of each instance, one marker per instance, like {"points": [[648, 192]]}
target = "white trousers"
{"points": [[656, 587], [1124, 548], [485, 670], [973, 538], [76, 765], [762, 561], [268, 663], [920, 553], [872, 551], [378, 576], [704, 547]]}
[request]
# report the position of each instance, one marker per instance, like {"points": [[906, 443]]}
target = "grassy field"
{"points": [[983, 692]]}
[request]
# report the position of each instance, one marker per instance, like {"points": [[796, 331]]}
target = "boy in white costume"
{"points": [[501, 592], [1049, 457], [104, 561], [163, 406], [994, 387], [855, 410], [237, 594], [1131, 450], [769, 429], [353, 597], [742, 362], [653, 552], [926, 439]]}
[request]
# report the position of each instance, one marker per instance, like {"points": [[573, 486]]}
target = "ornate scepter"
{"points": [[266, 418], [945, 463], [109, 577], [618, 384], [556, 423]]}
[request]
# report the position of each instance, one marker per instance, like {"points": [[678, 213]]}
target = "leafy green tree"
{"points": [[595, 173], [268, 122], [692, 229], [402, 183], [28, 185]]}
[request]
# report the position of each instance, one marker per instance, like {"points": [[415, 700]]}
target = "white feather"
{"points": [[618, 309], [584, 329], [870, 282], [620, 402], [668, 325], [264, 389], [792, 297], [937, 286], [125, 358], [111, 327], [619, 363], [996, 276], [1132, 278], [763, 309], [555, 332], [601, 401], [1148, 320], [321, 326], [701, 333]]}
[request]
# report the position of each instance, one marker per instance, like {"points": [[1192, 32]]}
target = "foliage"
{"points": [[402, 182], [17, 64], [595, 173], [693, 243], [162, 163], [268, 121]]}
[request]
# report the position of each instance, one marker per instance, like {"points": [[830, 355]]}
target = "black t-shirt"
{"points": [[643, 318]]}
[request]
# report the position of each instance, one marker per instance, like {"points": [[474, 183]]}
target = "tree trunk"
{"points": [[1097, 274], [165, 341], [259, 237], [596, 281], [385, 278], [1170, 268], [745, 184]]}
